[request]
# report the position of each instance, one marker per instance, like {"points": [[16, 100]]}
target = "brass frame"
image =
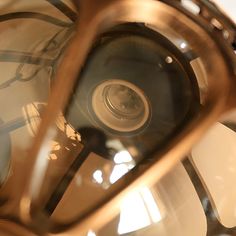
{"points": [[96, 17]]}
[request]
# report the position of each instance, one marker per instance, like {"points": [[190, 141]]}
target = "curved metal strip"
{"points": [[69, 68], [34, 15], [62, 7], [22, 57]]}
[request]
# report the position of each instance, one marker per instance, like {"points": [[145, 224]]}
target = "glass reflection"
{"points": [[170, 207], [135, 91], [133, 94], [138, 210]]}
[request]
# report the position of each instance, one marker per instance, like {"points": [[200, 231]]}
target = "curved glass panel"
{"points": [[171, 207], [215, 162], [135, 91], [33, 36], [139, 88]]}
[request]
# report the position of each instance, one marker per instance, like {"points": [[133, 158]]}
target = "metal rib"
{"points": [[22, 57], [69, 69], [213, 225], [34, 15], [62, 7]]}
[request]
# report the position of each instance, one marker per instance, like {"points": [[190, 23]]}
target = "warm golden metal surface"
{"points": [[96, 17], [94, 14]]}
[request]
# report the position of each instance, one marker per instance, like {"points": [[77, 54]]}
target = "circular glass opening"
{"points": [[120, 105]]}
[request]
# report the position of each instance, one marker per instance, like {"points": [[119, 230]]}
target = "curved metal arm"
{"points": [[66, 78]]}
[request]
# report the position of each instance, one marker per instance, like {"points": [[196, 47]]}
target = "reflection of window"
{"points": [[138, 210]]}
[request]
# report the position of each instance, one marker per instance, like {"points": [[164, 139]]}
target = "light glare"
{"points": [[133, 215], [91, 233], [151, 204], [97, 175], [138, 210], [122, 156], [118, 172]]}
